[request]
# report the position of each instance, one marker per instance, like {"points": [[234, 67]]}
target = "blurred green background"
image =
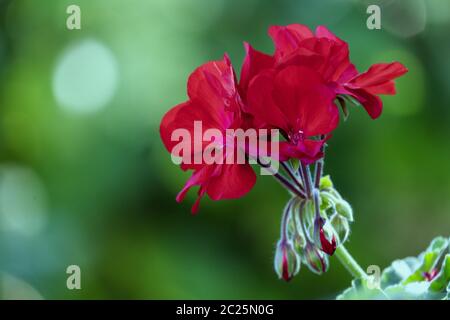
{"points": [[85, 179]]}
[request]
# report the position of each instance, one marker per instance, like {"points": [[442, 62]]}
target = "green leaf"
{"points": [[414, 290], [404, 278], [447, 297], [360, 291], [442, 280], [429, 259], [398, 271]]}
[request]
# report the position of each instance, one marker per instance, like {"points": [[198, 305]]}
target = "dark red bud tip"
{"points": [[286, 275], [327, 246], [430, 275]]}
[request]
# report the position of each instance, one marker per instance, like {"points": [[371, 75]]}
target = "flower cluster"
{"points": [[296, 90]]}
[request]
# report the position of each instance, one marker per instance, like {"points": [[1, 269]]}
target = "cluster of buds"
{"points": [[312, 227]]}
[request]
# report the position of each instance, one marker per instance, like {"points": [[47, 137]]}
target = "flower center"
{"points": [[297, 136]]}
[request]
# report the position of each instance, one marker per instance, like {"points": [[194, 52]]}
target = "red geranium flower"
{"points": [[295, 88], [329, 55], [214, 100]]}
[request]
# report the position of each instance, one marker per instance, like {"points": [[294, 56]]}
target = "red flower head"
{"points": [[329, 55], [214, 100], [294, 90]]}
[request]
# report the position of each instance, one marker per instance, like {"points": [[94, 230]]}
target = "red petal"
{"points": [[213, 83], [234, 181], [227, 181], [378, 74], [323, 32], [260, 101], [369, 101], [349, 73], [308, 151], [385, 88], [168, 124], [198, 178], [254, 62], [184, 117], [306, 101], [335, 57], [288, 38]]}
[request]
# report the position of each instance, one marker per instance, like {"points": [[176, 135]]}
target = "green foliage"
{"points": [[428, 259], [425, 277], [443, 278], [361, 290]]}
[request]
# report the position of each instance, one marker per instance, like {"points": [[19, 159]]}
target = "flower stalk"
{"points": [[350, 263]]}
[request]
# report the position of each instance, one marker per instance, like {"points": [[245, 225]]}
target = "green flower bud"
{"points": [[309, 213], [344, 209], [287, 261], [330, 198], [299, 242], [295, 234], [315, 259], [335, 194], [325, 203], [325, 183], [341, 227]]}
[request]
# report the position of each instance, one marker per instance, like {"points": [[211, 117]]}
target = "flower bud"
{"points": [[316, 260], [341, 227], [287, 262], [326, 204], [344, 209], [325, 183], [328, 199], [309, 213], [299, 242], [324, 238]]}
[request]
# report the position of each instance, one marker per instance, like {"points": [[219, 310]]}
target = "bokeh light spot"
{"points": [[23, 201], [85, 77], [404, 18], [13, 288]]}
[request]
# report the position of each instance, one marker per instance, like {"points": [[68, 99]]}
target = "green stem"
{"points": [[349, 263]]}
